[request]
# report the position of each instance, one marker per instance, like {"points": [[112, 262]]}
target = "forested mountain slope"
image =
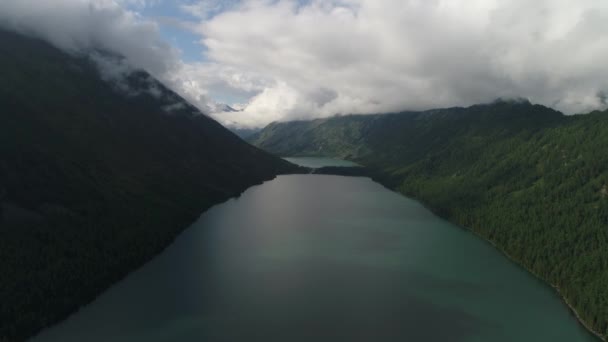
{"points": [[527, 178], [96, 177]]}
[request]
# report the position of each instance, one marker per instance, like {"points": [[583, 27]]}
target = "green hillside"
{"points": [[97, 177], [527, 178]]}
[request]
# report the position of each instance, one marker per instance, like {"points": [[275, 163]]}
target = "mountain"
{"points": [[99, 172], [525, 177], [224, 108], [244, 133]]}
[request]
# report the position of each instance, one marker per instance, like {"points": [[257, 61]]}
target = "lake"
{"points": [[324, 258]]}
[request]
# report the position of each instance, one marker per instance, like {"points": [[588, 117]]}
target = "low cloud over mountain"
{"points": [[281, 60]]}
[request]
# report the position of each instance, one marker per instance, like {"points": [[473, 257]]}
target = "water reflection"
{"points": [[324, 258]]}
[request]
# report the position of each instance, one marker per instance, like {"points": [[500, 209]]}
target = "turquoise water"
{"points": [[324, 258]]}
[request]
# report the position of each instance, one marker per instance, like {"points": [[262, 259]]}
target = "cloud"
{"points": [[139, 3], [88, 26], [77, 25], [291, 59], [205, 9], [320, 58]]}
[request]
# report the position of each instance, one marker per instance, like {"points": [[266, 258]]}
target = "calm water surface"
{"points": [[324, 258]]}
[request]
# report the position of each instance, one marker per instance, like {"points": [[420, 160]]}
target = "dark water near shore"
{"points": [[324, 258]]}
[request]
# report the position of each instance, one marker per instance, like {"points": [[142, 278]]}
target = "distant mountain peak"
{"points": [[224, 108]]}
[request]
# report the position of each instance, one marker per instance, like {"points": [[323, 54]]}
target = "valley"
{"points": [[525, 177]]}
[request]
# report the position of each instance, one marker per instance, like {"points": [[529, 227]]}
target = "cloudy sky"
{"points": [[294, 59]]}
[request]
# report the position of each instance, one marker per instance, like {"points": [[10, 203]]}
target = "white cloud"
{"points": [[389, 55], [205, 9], [288, 59], [88, 25], [77, 25], [139, 3]]}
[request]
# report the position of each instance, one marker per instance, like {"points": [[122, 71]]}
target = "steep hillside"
{"points": [[528, 179], [98, 176]]}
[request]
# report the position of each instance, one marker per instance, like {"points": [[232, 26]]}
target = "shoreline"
{"points": [[410, 196], [553, 286], [36, 333], [364, 171], [556, 288], [563, 298]]}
